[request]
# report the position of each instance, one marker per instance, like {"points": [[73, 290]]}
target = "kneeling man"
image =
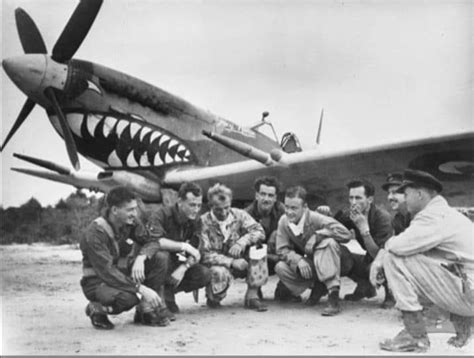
{"points": [[432, 259], [308, 243], [226, 238], [115, 276]]}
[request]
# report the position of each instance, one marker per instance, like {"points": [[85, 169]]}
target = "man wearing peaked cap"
{"points": [[419, 179], [432, 259], [402, 217]]}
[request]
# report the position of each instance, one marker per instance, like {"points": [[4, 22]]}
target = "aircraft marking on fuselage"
{"points": [[93, 87], [131, 143]]}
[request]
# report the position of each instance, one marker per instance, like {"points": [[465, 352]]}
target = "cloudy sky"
{"points": [[383, 71]]}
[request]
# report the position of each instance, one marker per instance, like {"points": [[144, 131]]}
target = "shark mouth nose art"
{"points": [[121, 142]]}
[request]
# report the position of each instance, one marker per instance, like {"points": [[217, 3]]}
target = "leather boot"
{"points": [[98, 315], [333, 307], [363, 290], [319, 290], [283, 294], [389, 301], [411, 339], [170, 300], [462, 325]]}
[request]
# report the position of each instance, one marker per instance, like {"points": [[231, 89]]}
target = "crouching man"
{"points": [[432, 259], [308, 243], [226, 238], [120, 265]]}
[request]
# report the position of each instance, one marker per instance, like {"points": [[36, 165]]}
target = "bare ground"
{"points": [[43, 314]]}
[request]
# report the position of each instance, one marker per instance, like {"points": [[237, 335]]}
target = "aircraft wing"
{"points": [[450, 158]]}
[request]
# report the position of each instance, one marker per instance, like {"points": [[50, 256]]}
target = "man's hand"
{"points": [[377, 276], [236, 251], [240, 264], [177, 275], [309, 247], [150, 296], [305, 269], [138, 269], [359, 219], [324, 209], [191, 250]]}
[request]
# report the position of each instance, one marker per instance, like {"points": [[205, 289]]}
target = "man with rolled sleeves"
{"points": [[121, 268], [178, 229], [309, 246], [433, 259], [372, 226]]}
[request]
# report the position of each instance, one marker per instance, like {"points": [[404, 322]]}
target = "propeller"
{"points": [[70, 144], [30, 37], [66, 46], [25, 111], [76, 29]]}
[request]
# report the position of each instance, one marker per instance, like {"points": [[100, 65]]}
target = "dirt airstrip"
{"points": [[43, 314]]}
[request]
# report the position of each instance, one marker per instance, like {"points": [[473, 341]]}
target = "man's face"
{"points": [[359, 200], [126, 214], [190, 206], [294, 209], [266, 197], [396, 200], [221, 208], [413, 200]]}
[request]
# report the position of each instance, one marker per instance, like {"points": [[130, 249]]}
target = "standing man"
{"points": [[308, 243], [267, 210], [372, 226], [402, 217], [227, 236], [115, 276], [178, 230], [432, 259]]}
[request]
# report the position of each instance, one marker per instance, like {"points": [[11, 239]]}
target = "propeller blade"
{"points": [[44, 164], [76, 30], [70, 144], [30, 37], [25, 111]]}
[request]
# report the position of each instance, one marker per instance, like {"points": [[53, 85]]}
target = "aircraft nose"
{"points": [[26, 71]]}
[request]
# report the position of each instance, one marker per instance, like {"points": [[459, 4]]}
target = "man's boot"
{"points": [[98, 315], [411, 339], [363, 290], [333, 307], [319, 290], [389, 301], [170, 300], [283, 294], [462, 325]]}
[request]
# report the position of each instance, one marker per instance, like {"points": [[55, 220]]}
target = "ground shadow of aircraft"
{"points": [[149, 140]]}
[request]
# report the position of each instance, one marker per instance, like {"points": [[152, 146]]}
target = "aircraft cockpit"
{"points": [[289, 141]]}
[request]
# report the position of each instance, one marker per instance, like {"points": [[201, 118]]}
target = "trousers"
{"points": [[420, 277]]}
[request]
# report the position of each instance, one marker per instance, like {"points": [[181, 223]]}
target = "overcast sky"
{"points": [[382, 70]]}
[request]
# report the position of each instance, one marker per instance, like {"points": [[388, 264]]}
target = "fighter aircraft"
{"points": [[150, 140]]}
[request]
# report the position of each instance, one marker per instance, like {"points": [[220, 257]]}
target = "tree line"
{"points": [[59, 224]]}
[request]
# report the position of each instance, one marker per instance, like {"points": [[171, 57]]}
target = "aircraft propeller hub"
{"points": [[27, 72]]}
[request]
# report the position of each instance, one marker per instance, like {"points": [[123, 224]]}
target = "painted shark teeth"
{"points": [[121, 125], [114, 160], [92, 123], [75, 121], [145, 146], [109, 124]]}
